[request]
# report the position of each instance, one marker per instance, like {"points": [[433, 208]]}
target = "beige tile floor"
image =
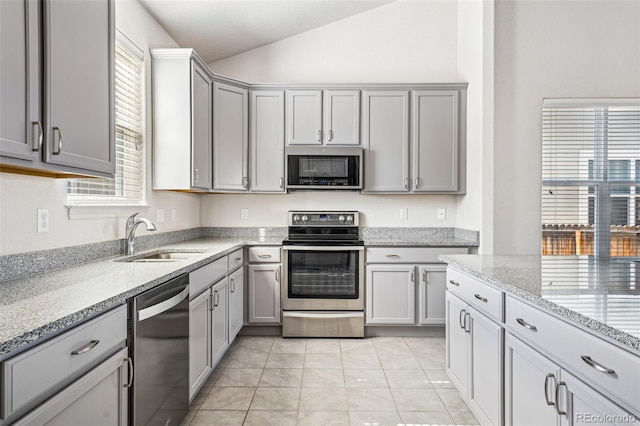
{"points": [[374, 381]]}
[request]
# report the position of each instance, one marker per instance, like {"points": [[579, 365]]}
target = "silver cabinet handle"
{"points": [[546, 388], [277, 272], [526, 324], [237, 259], [197, 175], [130, 362], [467, 315], [54, 152], [462, 313], [413, 276], [417, 183], [330, 135], [40, 136], [424, 276], [232, 286], [596, 365], [483, 299], [86, 348], [245, 182], [216, 298], [281, 183], [393, 256], [457, 284], [264, 256], [558, 410], [319, 135], [406, 183], [211, 301]]}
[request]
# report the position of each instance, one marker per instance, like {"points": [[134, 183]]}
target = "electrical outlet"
{"points": [[43, 220], [442, 214], [174, 215], [404, 213], [244, 214], [160, 215]]}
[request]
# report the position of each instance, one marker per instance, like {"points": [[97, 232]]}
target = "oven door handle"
{"points": [[323, 248], [327, 314]]}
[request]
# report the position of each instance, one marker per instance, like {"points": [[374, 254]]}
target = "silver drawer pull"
{"points": [[457, 284], [483, 299], [130, 362], [393, 256], [525, 324], [597, 366], [237, 259], [264, 256], [546, 388], [86, 348]]}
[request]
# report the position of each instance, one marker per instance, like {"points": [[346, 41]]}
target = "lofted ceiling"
{"points": [[218, 29]]}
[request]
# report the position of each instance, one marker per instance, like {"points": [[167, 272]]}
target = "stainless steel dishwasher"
{"points": [[159, 346]]}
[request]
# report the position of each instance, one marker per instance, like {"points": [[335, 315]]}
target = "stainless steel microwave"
{"points": [[322, 168]]}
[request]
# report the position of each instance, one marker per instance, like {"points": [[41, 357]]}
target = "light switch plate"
{"points": [[442, 214], [244, 214], [404, 213]]}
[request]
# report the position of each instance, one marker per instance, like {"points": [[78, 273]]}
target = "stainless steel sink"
{"points": [[162, 256]]}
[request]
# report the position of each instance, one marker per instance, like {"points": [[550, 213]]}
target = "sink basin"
{"points": [[162, 256]]}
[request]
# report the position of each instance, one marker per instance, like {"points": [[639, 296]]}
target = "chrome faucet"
{"points": [[130, 230]]}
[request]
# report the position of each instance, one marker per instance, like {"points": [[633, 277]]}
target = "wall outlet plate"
{"points": [[404, 213], [244, 214], [43, 220], [174, 215], [160, 215]]}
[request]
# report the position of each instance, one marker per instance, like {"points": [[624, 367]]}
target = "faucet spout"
{"points": [[130, 230]]}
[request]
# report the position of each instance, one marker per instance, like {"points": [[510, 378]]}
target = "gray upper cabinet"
{"points": [[341, 117], [435, 141], [182, 121], [79, 95], [20, 122], [74, 132], [309, 124], [385, 133], [231, 138], [267, 141]]}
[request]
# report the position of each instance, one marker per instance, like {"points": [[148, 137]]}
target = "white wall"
{"points": [[22, 195], [550, 49], [405, 41]]}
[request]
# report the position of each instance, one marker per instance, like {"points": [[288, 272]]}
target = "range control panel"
{"points": [[313, 218]]}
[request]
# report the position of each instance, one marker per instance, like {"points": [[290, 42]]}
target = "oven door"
{"points": [[323, 278]]}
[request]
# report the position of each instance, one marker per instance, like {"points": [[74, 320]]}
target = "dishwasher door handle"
{"points": [[163, 306]]}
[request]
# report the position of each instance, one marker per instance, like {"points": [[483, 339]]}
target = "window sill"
{"points": [[103, 211]]}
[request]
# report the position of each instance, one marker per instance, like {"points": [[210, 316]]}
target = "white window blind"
{"points": [[128, 185], [591, 177]]}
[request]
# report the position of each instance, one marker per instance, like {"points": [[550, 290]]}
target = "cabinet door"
{"points": [[530, 381], [97, 398], [230, 138], [267, 141], [342, 117], [386, 141], [20, 124], [219, 319], [304, 117], [584, 405], [201, 136], [457, 343], [199, 341], [236, 303], [264, 294], [485, 388], [433, 286], [79, 97], [391, 294], [435, 141]]}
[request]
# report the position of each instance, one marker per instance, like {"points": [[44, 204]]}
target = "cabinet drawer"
{"points": [[202, 278], [38, 371], [264, 254], [410, 254], [569, 344], [235, 260], [476, 293]]}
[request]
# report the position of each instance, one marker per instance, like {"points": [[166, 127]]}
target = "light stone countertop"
{"points": [[418, 242], [43, 305], [601, 296]]}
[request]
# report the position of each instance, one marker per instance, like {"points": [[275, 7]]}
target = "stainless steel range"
{"points": [[323, 275]]}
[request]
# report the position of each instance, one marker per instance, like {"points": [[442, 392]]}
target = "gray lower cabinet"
{"points": [[199, 342], [431, 294], [390, 294], [99, 398], [264, 294], [267, 141], [182, 121], [230, 138], [74, 132], [236, 303], [385, 133], [220, 319]]}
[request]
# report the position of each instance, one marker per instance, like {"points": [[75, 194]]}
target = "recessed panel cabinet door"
{"points": [[201, 106], [20, 123], [199, 341], [342, 117], [458, 341], [390, 294], [267, 141], [264, 294], [230, 138], [79, 97], [236, 303], [433, 286], [304, 117], [386, 141], [220, 320], [435, 141]]}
